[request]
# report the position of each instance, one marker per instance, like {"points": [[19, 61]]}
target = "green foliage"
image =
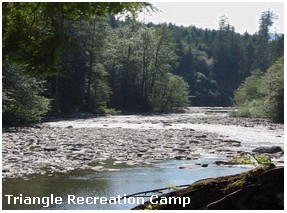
{"points": [[264, 52], [244, 159], [195, 66], [250, 89], [266, 21], [149, 207], [274, 90], [262, 159], [228, 58], [262, 95], [177, 90], [38, 42], [126, 65], [226, 53], [255, 160], [158, 206], [100, 90], [21, 96], [140, 63], [170, 92]]}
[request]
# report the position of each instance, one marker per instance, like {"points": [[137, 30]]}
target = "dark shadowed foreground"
{"points": [[260, 188]]}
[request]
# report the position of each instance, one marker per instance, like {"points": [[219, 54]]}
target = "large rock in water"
{"points": [[272, 149], [258, 189]]}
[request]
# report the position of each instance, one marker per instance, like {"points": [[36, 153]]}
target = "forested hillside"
{"points": [[215, 62], [65, 59]]}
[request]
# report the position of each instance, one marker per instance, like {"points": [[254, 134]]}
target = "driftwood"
{"points": [[160, 190], [261, 188]]}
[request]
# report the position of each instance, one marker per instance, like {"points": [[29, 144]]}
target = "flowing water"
{"points": [[249, 136], [108, 184], [128, 180]]}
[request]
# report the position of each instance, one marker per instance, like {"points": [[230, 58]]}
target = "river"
{"points": [[115, 155]]}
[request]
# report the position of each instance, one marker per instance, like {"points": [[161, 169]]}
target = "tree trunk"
{"points": [[90, 79]]}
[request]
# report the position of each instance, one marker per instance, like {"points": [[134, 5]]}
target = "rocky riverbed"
{"points": [[81, 144]]}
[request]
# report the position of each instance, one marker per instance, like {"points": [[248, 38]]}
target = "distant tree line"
{"points": [[76, 57], [215, 62]]}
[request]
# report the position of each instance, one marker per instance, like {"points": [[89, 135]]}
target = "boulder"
{"points": [[272, 149]]}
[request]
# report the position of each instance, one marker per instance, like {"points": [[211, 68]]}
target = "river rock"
{"points": [[118, 162], [50, 148], [189, 166], [24, 148], [98, 168], [272, 149], [6, 169], [221, 162], [194, 141], [142, 149], [201, 136], [179, 149], [180, 157]]}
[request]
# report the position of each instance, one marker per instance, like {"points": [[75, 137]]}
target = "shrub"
{"points": [[22, 102], [262, 95], [273, 87], [250, 88]]}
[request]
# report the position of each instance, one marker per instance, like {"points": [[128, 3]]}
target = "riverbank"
{"points": [[261, 188], [89, 144]]}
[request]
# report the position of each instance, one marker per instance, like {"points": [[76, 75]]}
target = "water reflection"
{"points": [[108, 184]]}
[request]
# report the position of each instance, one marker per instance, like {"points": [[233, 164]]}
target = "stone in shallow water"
{"points": [[272, 149], [189, 166], [98, 168], [180, 157]]}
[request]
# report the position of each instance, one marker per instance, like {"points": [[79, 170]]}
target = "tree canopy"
{"points": [[39, 40], [77, 57]]}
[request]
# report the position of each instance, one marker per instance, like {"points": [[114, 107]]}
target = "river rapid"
{"points": [[122, 154]]}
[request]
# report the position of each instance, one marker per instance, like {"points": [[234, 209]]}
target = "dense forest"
{"points": [[77, 57]]}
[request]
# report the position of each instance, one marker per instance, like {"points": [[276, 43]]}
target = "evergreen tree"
{"points": [[98, 63], [264, 54], [226, 58]]}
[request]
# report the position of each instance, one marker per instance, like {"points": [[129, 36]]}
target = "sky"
{"points": [[244, 16]]}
